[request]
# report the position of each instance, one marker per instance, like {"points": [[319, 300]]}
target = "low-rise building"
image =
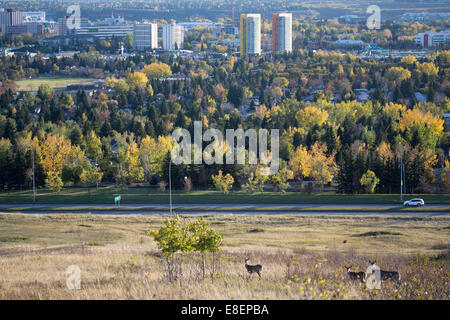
{"points": [[432, 39]]}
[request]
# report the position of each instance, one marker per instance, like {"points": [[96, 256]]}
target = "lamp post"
{"points": [[170, 184], [32, 173]]}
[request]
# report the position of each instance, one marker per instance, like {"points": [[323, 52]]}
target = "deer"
{"points": [[356, 276], [385, 275], [251, 269]]}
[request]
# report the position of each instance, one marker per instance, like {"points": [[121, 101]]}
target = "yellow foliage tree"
{"points": [[398, 74], [311, 116], [54, 152], [152, 153], [157, 70], [300, 162], [137, 79], [429, 69]]}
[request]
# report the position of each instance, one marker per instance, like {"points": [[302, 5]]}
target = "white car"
{"points": [[414, 203]]}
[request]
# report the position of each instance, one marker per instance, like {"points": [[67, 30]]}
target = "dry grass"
{"points": [[302, 257]]}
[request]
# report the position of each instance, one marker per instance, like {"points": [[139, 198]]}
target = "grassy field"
{"points": [[54, 82], [105, 195], [303, 257]]}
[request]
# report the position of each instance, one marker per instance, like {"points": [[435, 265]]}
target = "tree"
{"points": [[301, 163], [174, 237], [204, 239], [421, 128], [428, 69], [281, 178], [137, 79], [369, 181], [223, 183], [171, 238], [54, 153], [323, 167], [256, 181], [152, 153], [157, 70], [311, 116], [133, 168], [91, 176], [398, 74], [45, 92]]}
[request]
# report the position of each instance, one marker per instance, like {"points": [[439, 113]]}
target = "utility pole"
{"points": [[401, 180], [32, 172], [170, 184], [404, 178]]}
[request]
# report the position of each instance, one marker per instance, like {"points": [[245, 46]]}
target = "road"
{"points": [[350, 209]]}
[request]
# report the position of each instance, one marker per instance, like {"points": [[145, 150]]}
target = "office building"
{"points": [[145, 36], [61, 27], [250, 34], [109, 28], [9, 18], [33, 16], [173, 37], [432, 39], [282, 32]]}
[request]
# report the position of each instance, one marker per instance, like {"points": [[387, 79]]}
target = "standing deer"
{"points": [[385, 275], [251, 269], [361, 276]]}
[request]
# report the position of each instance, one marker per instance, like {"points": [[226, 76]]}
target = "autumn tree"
{"points": [[281, 178], [54, 152], [300, 163], [92, 175], [223, 182], [157, 70], [133, 168], [397, 74], [136, 79], [152, 153], [323, 167]]}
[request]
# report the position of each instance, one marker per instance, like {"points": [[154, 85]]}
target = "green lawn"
{"points": [[106, 195], [54, 82]]}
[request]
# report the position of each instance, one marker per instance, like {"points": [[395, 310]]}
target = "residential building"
{"points": [[282, 32], [145, 36], [173, 37], [250, 34]]}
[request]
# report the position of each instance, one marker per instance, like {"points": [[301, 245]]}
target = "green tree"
{"points": [[369, 181], [91, 176], [204, 239], [281, 178]]}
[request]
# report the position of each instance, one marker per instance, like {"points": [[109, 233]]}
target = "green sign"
{"points": [[116, 199]]}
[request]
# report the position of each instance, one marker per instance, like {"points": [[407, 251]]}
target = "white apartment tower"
{"points": [[173, 37], [145, 36], [282, 32], [250, 34]]}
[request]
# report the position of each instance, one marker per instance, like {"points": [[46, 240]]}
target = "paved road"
{"points": [[350, 209]]}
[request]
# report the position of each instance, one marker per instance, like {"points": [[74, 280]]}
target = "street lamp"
{"points": [[32, 173], [170, 184]]}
